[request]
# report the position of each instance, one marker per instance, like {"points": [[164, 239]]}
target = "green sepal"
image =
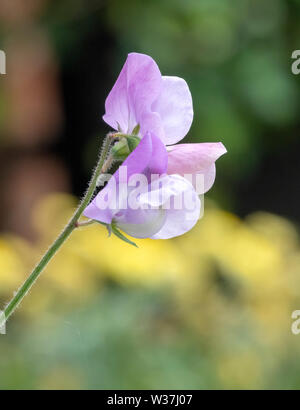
{"points": [[124, 147], [120, 150], [136, 130], [119, 234], [133, 142]]}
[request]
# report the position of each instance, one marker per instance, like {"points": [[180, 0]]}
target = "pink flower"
{"points": [[147, 207], [162, 105], [168, 204]]}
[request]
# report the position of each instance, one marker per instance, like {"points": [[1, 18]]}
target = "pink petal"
{"points": [[195, 159], [175, 107], [159, 215], [93, 212], [181, 220], [141, 223], [137, 87], [135, 163], [149, 157]]}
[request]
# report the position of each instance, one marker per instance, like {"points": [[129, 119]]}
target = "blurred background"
{"points": [[211, 309]]}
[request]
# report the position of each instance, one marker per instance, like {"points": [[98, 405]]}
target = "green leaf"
{"points": [[121, 236]]}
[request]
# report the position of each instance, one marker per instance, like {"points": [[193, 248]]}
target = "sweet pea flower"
{"points": [[159, 109], [153, 198], [162, 105], [154, 214]]}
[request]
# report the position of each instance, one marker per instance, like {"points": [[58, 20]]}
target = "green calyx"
{"points": [[124, 146], [112, 228]]}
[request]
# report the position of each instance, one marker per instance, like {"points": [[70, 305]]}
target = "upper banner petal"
{"points": [[137, 87], [175, 107]]}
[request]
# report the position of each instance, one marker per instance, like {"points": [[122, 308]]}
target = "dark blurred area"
{"points": [[63, 58]]}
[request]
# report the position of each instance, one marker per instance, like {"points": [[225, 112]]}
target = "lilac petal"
{"points": [[175, 107], [139, 159], [158, 163], [135, 163], [179, 219], [169, 207], [101, 215], [141, 223], [161, 190], [195, 159], [137, 87], [149, 157]]}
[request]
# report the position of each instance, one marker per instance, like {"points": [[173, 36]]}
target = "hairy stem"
{"points": [[71, 225]]}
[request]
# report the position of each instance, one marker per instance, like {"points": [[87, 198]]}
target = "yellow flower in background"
{"points": [[222, 271], [278, 230], [241, 275], [154, 262], [240, 250], [51, 214], [234, 283]]}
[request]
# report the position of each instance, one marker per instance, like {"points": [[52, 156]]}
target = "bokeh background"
{"points": [[211, 309]]}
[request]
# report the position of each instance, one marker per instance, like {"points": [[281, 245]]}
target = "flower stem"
{"points": [[72, 224], [84, 223]]}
